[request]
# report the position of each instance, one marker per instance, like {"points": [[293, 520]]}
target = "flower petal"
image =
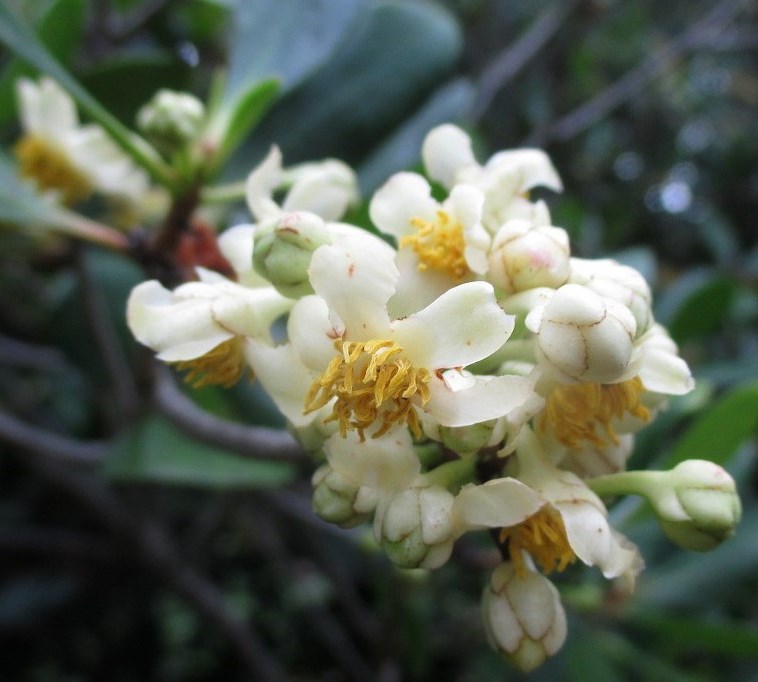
{"points": [[462, 326], [261, 183], [445, 151], [402, 198], [312, 333], [500, 503], [529, 167]]}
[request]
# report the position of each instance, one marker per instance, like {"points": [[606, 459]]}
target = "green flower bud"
{"points": [[700, 507], [338, 501], [523, 617], [416, 529], [171, 119], [283, 250]]}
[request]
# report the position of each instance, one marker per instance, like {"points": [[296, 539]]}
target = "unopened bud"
{"points": [[338, 501], [283, 251], [523, 617], [697, 505], [171, 119], [584, 336], [524, 257], [416, 529]]}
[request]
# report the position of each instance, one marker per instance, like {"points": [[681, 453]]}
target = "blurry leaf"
{"points": [[403, 148], [721, 430], [365, 89], [155, 451], [60, 28], [146, 73], [691, 634], [21, 40], [283, 39]]}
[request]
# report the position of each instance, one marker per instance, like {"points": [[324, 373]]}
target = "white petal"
{"points": [[403, 197], [356, 279], [500, 503], [236, 245], [45, 109], [312, 333], [388, 462], [178, 329], [486, 398], [326, 189], [530, 167], [462, 326], [445, 151], [249, 312], [285, 378], [261, 183], [416, 288]]}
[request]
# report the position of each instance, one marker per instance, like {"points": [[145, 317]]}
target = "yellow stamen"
{"points": [[543, 536], [439, 245], [222, 366], [48, 165], [574, 412], [371, 381]]}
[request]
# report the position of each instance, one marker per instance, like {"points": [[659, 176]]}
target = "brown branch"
{"points": [[253, 442], [635, 80]]}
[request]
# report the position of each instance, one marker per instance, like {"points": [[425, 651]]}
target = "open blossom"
{"points": [[375, 369], [327, 188], [506, 178], [65, 157]]}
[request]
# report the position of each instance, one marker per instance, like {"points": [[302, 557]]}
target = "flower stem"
{"points": [[233, 191], [452, 475], [625, 483]]}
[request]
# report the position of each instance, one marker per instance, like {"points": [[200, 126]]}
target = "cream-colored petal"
{"points": [[481, 398], [499, 503], [530, 168], [462, 326], [402, 198], [312, 333], [445, 151], [261, 183], [416, 288], [45, 108], [284, 377], [356, 279]]}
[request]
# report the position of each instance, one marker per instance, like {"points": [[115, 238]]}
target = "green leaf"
{"points": [[21, 40], [60, 29], [365, 90], [721, 430], [284, 39], [155, 451]]}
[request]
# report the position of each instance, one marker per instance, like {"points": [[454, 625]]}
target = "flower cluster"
{"points": [[463, 372]]}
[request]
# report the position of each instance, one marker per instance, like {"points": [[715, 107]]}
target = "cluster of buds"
{"points": [[463, 373]]}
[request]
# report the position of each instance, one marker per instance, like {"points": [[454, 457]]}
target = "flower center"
{"points": [[575, 412], [223, 365], [439, 245], [370, 381], [543, 536], [50, 167]]}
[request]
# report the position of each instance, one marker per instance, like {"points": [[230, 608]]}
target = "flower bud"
{"points": [[416, 529], [524, 257], [697, 505], [338, 501], [523, 617], [283, 250], [620, 282], [171, 119], [583, 336]]}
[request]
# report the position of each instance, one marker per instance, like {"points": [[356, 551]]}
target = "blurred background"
{"points": [[131, 551]]}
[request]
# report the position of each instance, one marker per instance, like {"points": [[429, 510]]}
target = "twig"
{"points": [[16, 353], [108, 343], [156, 550], [59, 448], [634, 81], [510, 61], [254, 442]]}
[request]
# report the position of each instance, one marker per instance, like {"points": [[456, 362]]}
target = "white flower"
{"points": [[505, 179], [525, 256], [70, 159], [381, 370], [523, 616], [439, 244], [549, 515], [202, 326], [327, 188]]}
